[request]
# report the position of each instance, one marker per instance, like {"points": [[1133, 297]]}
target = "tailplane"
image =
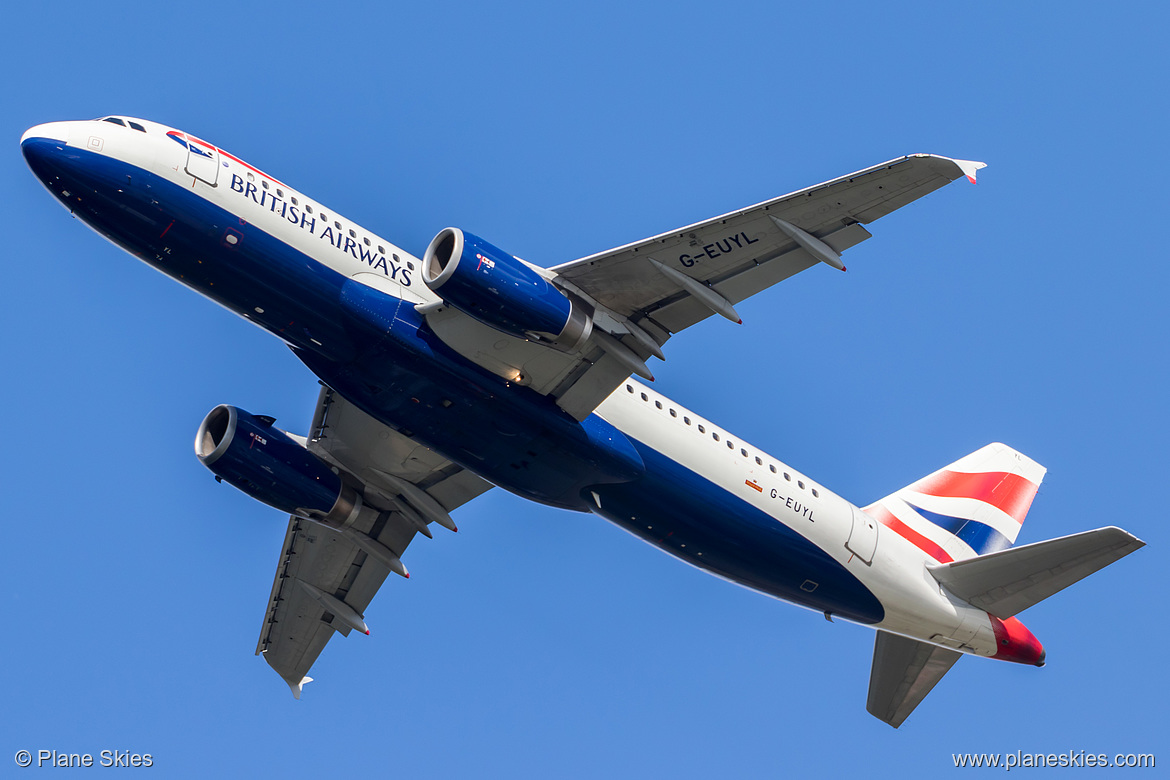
{"points": [[904, 671], [1008, 582]]}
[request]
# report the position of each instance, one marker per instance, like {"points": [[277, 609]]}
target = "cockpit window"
{"points": [[137, 127], [114, 120]]}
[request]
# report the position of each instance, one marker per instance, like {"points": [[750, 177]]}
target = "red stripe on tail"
{"points": [[886, 518], [1009, 492]]}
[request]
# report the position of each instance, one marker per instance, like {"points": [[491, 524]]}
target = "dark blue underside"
{"points": [[694, 519], [381, 356]]}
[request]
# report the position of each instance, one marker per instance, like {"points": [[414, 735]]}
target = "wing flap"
{"points": [[904, 671]]}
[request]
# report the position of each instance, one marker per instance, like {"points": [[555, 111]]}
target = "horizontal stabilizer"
{"points": [[1006, 583], [904, 671]]}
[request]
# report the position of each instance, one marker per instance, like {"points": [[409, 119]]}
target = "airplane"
{"points": [[468, 368]]}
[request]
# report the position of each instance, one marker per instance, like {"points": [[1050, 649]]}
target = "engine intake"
{"points": [[490, 285], [249, 453]]}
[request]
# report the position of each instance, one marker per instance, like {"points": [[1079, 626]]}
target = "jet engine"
{"points": [[490, 285], [248, 452]]}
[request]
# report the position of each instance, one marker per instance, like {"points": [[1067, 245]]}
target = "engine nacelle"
{"points": [[488, 284], [251, 454]]}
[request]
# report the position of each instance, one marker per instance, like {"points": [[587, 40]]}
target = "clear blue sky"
{"points": [[537, 643]]}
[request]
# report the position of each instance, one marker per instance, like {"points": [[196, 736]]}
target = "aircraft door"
{"points": [[863, 536], [202, 160]]}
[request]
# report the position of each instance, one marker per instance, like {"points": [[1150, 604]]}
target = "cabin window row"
{"points": [[308, 207], [730, 444]]}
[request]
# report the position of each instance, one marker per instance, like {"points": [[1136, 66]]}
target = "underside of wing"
{"points": [[637, 296], [325, 577], [743, 252]]}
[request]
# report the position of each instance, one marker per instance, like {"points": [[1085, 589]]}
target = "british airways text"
{"points": [[302, 219]]}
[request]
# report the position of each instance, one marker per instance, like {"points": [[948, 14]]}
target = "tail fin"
{"points": [[974, 506]]}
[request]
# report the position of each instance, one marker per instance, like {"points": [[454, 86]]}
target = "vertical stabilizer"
{"points": [[974, 506]]}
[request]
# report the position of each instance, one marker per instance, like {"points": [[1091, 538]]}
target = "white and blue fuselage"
{"points": [[344, 299]]}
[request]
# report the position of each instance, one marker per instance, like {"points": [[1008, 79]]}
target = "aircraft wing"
{"points": [[643, 293], [325, 578], [738, 254]]}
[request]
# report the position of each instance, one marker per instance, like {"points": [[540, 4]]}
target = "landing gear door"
{"points": [[863, 536], [202, 160]]}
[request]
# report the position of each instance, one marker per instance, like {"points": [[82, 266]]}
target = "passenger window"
{"points": [[673, 413], [714, 436], [308, 209], [352, 234], [758, 461], [772, 467], [816, 494], [138, 127], [744, 453], [730, 444], [367, 241], [644, 398], [800, 484], [787, 477], [630, 388], [687, 420], [294, 201], [264, 184], [114, 121], [702, 429], [279, 192], [337, 225], [251, 177], [381, 250], [658, 404]]}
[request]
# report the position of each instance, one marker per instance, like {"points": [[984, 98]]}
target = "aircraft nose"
{"points": [[43, 147], [50, 131]]}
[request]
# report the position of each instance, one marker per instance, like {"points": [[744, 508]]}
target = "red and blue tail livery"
{"points": [[974, 506], [465, 368]]}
